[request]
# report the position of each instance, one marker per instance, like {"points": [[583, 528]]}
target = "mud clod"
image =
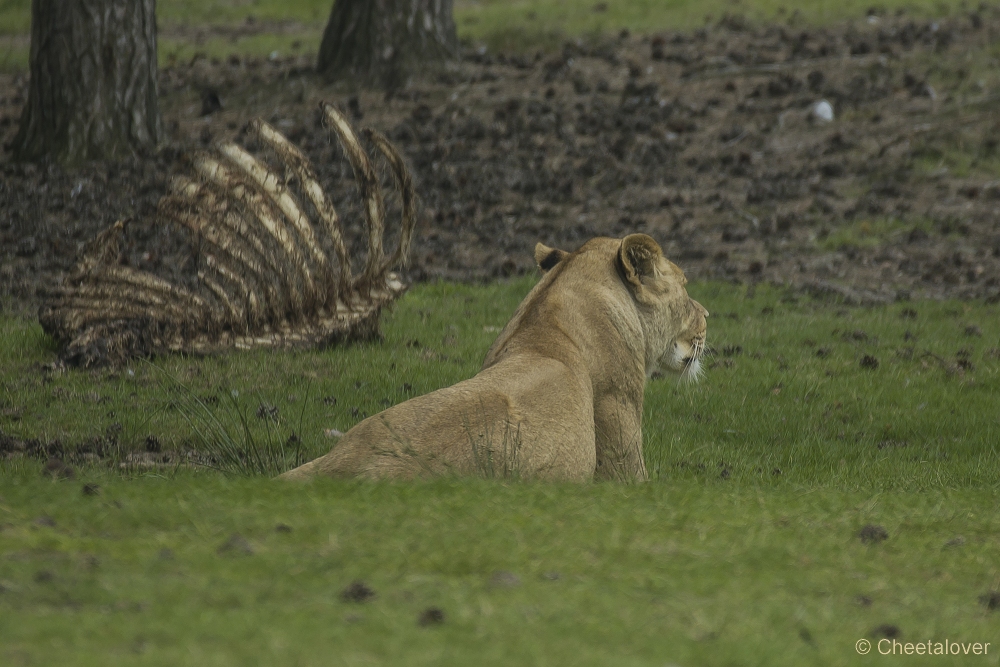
{"points": [[504, 579], [869, 362], [357, 591], [430, 616], [886, 630], [892, 444], [873, 534], [267, 412], [991, 600], [236, 545], [56, 469], [210, 102]]}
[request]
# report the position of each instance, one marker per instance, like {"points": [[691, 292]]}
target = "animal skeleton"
{"points": [[264, 278]]}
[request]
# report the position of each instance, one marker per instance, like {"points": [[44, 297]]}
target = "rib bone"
{"points": [[263, 278], [368, 186]]}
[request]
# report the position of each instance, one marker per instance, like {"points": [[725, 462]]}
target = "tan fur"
{"points": [[560, 393]]}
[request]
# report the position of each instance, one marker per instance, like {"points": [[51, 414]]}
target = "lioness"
{"points": [[559, 396]]}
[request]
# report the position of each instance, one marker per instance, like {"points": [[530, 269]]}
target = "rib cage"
{"points": [[264, 278]]}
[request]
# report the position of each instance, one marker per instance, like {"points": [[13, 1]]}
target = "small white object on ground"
{"points": [[332, 433], [823, 110]]}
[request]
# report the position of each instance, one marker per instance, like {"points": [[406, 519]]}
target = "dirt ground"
{"points": [[710, 141]]}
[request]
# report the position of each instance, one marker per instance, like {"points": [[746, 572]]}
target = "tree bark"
{"points": [[93, 91], [385, 41]]}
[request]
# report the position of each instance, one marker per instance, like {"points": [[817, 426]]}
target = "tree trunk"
{"points": [[93, 90], [384, 41]]}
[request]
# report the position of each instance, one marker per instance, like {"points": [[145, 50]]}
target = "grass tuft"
{"points": [[228, 442]]}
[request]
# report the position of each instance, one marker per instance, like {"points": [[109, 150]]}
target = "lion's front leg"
{"points": [[618, 436]]}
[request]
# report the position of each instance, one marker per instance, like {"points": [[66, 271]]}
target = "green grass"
{"points": [[743, 549], [200, 12], [438, 335], [522, 24], [786, 388], [796, 394], [872, 232], [15, 15], [173, 50], [680, 573], [958, 158], [501, 24]]}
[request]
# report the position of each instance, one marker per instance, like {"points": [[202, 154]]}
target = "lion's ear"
{"points": [[547, 257], [637, 257]]}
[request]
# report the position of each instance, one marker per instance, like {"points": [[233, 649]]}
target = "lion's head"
{"points": [[673, 324]]}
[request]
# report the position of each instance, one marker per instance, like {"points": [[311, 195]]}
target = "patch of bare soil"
{"points": [[711, 141]]}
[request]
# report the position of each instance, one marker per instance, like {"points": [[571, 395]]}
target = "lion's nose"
{"points": [[700, 307]]}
